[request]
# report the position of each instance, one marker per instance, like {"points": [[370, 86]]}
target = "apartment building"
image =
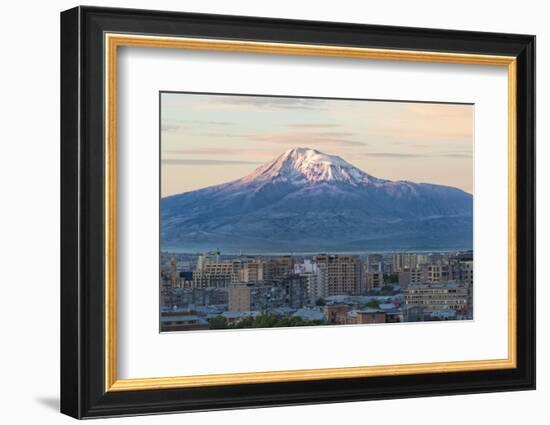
{"points": [[438, 296], [344, 274]]}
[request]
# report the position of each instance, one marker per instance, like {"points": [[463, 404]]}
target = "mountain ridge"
{"points": [[306, 199]]}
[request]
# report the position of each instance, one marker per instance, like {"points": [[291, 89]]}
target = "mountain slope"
{"points": [[305, 200]]}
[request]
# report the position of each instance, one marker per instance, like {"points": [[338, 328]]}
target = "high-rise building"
{"points": [[438, 296], [375, 280], [414, 276], [317, 281], [306, 266], [462, 270], [466, 274], [174, 273], [437, 258], [293, 289], [278, 267], [403, 261], [208, 257], [422, 259], [375, 263], [344, 274], [426, 273], [240, 297], [212, 272], [438, 273], [252, 270], [253, 296]]}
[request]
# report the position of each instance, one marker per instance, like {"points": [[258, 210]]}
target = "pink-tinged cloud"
{"points": [[314, 126], [221, 151], [232, 102], [292, 139], [206, 162]]}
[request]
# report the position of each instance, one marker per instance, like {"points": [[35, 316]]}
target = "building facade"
{"points": [[439, 296], [277, 268], [375, 280], [252, 270], [344, 274]]}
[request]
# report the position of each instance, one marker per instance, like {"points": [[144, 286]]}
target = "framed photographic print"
{"points": [[261, 212]]}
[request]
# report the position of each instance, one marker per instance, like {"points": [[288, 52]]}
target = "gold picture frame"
{"points": [[114, 41], [91, 40]]}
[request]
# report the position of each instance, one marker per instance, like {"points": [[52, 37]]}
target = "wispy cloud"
{"points": [[291, 138], [220, 151], [203, 151], [455, 155], [169, 127], [313, 126], [398, 155], [205, 162], [261, 103], [394, 155], [224, 135], [412, 144], [207, 123]]}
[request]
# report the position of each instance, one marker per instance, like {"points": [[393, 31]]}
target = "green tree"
{"points": [[266, 321], [247, 322], [263, 321], [217, 322]]}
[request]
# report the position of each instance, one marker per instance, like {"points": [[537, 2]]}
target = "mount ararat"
{"points": [[307, 201]]}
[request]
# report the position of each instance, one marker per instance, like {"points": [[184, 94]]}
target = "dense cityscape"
{"points": [[217, 291]]}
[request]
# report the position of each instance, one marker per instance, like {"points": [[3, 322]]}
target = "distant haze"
{"points": [[212, 139]]}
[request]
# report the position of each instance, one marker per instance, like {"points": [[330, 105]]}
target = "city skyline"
{"points": [[212, 290], [212, 139]]}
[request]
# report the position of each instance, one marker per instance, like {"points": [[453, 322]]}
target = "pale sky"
{"points": [[213, 139]]}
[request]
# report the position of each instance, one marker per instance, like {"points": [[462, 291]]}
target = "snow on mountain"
{"points": [[301, 165], [308, 200]]}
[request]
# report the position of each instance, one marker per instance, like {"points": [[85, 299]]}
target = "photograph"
{"points": [[286, 211]]}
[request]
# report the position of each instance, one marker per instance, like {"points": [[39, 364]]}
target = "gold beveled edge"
{"points": [[306, 375], [512, 212], [110, 214], [112, 41], [244, 46]]}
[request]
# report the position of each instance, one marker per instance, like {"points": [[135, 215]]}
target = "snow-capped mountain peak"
{"points": [[305, 200], [306, 165]]}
